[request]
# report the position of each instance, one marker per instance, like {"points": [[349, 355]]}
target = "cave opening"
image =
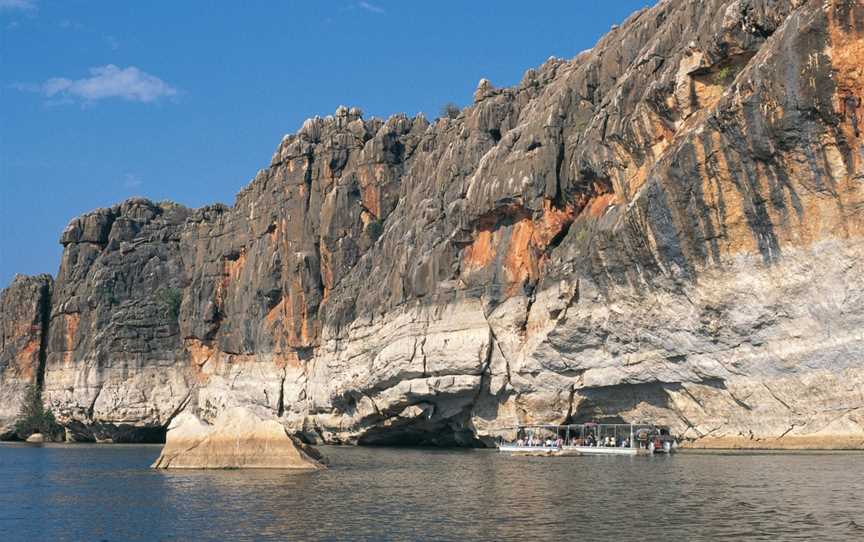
{"points": [[117, 434], [421, 437]]}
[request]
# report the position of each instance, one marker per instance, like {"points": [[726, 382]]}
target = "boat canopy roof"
{"points": [[586, 424]]}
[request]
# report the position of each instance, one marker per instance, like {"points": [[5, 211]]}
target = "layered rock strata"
{"points": [[668, 227]]}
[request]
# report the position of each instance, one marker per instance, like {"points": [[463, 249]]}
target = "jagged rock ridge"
{"points": [[667, 227]]}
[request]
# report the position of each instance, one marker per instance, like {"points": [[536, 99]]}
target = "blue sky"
{"points": [[186, 100]]}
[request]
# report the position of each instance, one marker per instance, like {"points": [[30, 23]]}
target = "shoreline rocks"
{"points": [[237, 439]]}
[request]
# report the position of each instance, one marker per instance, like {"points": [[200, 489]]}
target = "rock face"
{"points": [[237, 440], [24, 309], [669, 226]]}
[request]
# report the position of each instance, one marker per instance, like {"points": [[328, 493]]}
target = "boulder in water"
{"points": [[36, 438], [237, 439]]}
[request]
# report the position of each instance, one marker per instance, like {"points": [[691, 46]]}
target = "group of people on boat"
{"points": [[608, 442], [590, 440], [533, 441]]}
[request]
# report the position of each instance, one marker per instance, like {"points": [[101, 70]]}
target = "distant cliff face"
{"points": [[668, 227]]}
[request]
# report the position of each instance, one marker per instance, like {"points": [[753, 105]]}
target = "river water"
{"points": [[107, 492]]}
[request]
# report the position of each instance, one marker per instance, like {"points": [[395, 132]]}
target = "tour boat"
{"points": [[590, 439]]}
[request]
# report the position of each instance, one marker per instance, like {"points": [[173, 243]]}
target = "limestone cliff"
{"points": [[669, 226]]}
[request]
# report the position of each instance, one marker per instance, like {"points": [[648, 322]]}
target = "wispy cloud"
{"points": [[67, 24], [105, 82], [113, 43], [24, 5], [371, 7], [130, 180]]}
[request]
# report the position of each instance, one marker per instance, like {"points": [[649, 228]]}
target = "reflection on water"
{"points": [[90, 492]]}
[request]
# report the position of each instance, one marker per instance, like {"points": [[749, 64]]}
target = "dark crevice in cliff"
{"points": [[281, 401], [558, 238], [570, 398], [307, 182], [558, 197], [92, 407], [179, 409], [778, 399], [45, 317], [493, 342]]}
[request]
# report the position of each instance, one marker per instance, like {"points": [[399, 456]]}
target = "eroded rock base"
{"points": [[236, 440]]}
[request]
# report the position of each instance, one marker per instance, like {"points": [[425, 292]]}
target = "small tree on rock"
{"points": [[34, 418], [450, 110]]}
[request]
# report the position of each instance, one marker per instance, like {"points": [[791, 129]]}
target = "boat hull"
{"points": [[529, 450], [601, 450]]}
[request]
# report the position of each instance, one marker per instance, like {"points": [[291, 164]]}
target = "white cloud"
{"points": [[371, 7], [26, 5], [104, 82]]}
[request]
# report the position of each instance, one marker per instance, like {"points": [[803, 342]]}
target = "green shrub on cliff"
{"points": [[375, 229], [34, 418], [171, 298], [723, 75]]}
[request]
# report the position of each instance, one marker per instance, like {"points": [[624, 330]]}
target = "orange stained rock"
{"points": [[551, 223], [326, 268], [199, 354], [370, 188], [276, 312], [846, 51], [521, 259], [27, 359], [598, 205], [706, 91], [290, 319], [525, 246], [480, 252], [233, 268], [71, 326]]}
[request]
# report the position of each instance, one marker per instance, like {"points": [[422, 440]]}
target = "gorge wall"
{"points": [[668, 227]]}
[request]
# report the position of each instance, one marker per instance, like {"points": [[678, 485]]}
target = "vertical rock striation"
{"points": [[669, 226]]}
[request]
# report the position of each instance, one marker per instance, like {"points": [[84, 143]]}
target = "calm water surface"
{"points": [[91, 492]]}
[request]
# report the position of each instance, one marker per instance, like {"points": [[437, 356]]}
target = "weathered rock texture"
{"points": [[24, 311], [669, 226], [237, 439]]}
